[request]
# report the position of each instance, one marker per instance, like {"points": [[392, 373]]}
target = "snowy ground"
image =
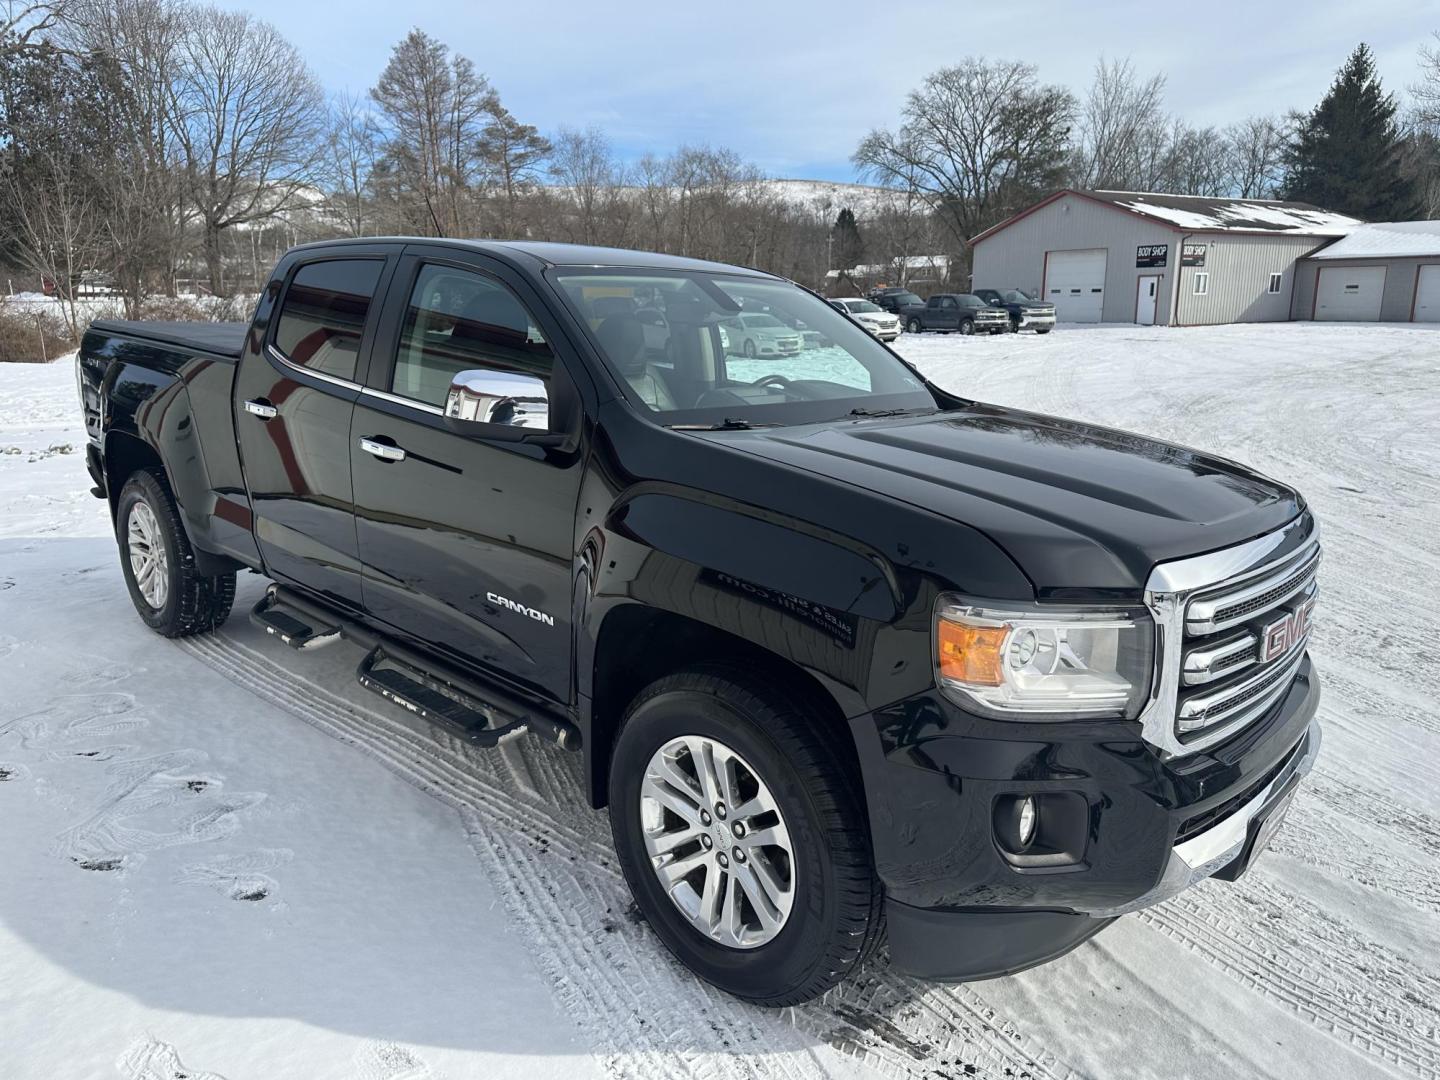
{"points": [[224, 860]]}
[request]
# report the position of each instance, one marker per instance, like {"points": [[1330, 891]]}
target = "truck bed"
{"points": [[220, 338]]}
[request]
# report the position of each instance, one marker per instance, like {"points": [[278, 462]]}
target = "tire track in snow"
{"points": [[558, 877], [1307, 960]]}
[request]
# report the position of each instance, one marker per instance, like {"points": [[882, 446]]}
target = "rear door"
{"points": [[467, 541], [294, 393]]}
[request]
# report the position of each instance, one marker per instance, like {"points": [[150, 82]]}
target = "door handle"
{"points": [[261, 408], [383, 451]]}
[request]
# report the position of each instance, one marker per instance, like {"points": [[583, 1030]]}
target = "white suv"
{"points": [[872, 317]]}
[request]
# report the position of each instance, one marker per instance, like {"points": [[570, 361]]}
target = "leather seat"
{"points": [[623, 339]]}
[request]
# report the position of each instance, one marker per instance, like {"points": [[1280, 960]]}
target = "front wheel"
{"points": [[967, 326], [742, 834], [1043, 330], [913, 326], [749, 349], [166, 587]]}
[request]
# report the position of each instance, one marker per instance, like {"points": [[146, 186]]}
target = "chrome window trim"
{"points": [[323, 376], [385, 395], [1168, 591]]}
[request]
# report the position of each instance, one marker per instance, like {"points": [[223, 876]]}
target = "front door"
{"points": [[1147, 289], [294, 393], [467, 542]]}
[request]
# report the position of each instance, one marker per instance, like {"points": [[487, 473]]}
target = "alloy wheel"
{"points": [[717, 842], [149, 561]]}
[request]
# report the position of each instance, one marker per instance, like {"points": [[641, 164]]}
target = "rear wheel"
{"points": [[743, 837], [167, 589]]}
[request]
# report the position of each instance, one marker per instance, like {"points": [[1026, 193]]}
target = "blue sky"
{"points": [[794, 86]]}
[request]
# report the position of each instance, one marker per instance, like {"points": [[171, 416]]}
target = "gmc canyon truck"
{"points": [[842, 652]]}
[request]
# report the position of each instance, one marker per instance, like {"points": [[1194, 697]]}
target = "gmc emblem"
{"points": [[1279, 637]]}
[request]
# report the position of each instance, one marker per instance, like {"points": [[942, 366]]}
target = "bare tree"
{"points": [[1122, 130], [435, 105], [26, 25], [979, 139], [1198, 161], [249, 118], [513, 154], [1426, 92], [584, 167], [351, 150], [1256, 157]]}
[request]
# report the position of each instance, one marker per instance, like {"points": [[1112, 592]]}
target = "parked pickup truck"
{"points": [[840, 649], [952, 312], [1026, 311]]}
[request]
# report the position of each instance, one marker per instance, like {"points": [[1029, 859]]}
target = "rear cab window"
{"points": [[322, 317]]}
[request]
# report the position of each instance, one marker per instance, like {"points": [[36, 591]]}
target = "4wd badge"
{"points": [[1281, 635]]}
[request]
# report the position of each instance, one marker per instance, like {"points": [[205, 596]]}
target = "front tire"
{"points": [[967, 327], [167, 589], [804, 907], [749, 349], [913, 326]]}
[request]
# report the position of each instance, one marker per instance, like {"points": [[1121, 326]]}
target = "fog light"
{"points": [[1026, 822]]}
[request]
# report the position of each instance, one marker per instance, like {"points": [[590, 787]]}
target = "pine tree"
{"points": [[849, 248], [1346, 153]]}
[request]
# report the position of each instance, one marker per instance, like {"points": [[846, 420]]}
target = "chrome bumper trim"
{"points": [[1202, 855]]}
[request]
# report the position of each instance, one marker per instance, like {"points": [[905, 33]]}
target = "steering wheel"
{"points": [[779, 381]]}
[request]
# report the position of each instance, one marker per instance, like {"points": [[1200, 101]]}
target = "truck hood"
{"points": [[1078, 507]]}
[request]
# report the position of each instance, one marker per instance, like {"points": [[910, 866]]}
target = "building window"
{"points": [[1275, 280], [1202, 284]]}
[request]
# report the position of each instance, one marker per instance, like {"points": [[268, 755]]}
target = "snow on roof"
{"points": [[1231, 215], [1386, 240]]}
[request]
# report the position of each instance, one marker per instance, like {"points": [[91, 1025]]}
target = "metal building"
{"points": [[1388, 271], [1178, 260]]}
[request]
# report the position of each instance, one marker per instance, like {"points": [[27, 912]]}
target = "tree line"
{"points": [[176, 145]]}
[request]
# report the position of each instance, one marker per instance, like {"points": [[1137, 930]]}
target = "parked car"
{"points": [[840, 651], [1027, 312], [957, 312], [872, 317], [894, 300], [761, 334]]}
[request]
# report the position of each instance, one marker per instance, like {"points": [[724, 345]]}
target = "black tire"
{"points": [[914, 326], [836, 920], [967, 327], [193, 603], [1043, 330], [749, 349]]}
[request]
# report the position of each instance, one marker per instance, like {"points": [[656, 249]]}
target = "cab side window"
{"points": [[322, 318], [458, 320]]}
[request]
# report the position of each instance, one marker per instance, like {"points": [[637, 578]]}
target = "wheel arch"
{"points": [[637, 644]]}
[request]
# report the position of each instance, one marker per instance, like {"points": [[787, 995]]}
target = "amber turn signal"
{"points": [[970, 654]]}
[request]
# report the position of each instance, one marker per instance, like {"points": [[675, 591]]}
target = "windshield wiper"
{"points": [[730, 423], [871, 414]]}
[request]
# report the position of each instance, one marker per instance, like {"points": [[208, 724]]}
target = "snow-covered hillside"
{"points": [[224, 860]]}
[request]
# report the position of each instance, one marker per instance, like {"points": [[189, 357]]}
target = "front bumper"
{"points": [[1034, 322], [960, 908]]}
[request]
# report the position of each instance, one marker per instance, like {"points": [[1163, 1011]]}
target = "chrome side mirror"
{"points": [[499, 397]]}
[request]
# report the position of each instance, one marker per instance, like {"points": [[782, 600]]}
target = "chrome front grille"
{"points": [[1216, 617]]}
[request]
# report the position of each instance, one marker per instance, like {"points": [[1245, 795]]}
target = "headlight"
{"points": [[1045, 663]]}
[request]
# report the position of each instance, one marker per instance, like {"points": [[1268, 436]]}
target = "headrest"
{"points": [[623, 339], [606, 306]]}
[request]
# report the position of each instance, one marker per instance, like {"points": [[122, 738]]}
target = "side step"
{"points": [[292, 627], [477, 711], [435, 700]]}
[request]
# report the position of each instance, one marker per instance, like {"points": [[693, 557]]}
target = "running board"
{"points": [[478, 711], [292, 627], [436, 700]]}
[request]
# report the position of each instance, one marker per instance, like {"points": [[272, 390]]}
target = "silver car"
{"points": [[759, 334]]}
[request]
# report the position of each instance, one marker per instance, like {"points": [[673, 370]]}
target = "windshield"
{"points": [[903, 298], [712, 358], [1017, 296], [861, 307]]}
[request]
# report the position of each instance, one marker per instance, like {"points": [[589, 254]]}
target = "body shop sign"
{"points": [[1151, 254], [1192, 255]]}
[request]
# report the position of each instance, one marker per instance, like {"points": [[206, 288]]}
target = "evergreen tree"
{"points": [[1346, 153], [848, 247]]}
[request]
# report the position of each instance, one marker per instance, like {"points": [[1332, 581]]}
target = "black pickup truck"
{"points": [[962, 313], [1026, 311], [842, 651]]}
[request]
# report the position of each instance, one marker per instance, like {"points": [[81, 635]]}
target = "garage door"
{"points": [[1075, 284], [1349, 293], [1427, 295]]}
